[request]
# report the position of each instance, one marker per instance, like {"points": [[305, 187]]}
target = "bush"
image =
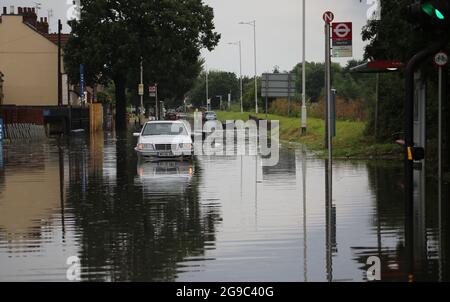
{"points": [[354, 110]]}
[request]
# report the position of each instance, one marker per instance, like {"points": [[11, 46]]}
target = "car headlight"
{"points": [[146, 147], [185, 146]]}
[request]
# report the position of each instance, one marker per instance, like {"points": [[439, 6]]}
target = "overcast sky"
{"points": [[278, 30]]}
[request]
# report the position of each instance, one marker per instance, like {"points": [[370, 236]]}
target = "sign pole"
{"points": [[157, 105], [329, 141], [141, 112], [441, 60], [267, 98]]}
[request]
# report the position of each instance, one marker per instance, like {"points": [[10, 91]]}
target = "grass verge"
{"points": [[350, 141]]}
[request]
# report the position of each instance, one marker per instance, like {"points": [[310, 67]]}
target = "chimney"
{"points": [[42, 26], [29, 17]]}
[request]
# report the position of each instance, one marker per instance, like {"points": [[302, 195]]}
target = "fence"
{"points": [[22, 123]]}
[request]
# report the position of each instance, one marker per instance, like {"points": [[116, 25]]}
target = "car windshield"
{"points": [[164, 129], [210, 113]]}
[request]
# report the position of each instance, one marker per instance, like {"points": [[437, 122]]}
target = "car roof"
{"points": [[165, 122]]}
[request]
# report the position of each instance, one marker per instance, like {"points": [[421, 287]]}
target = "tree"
{"points": [[393, 38], [219, 83], [113, 36]]}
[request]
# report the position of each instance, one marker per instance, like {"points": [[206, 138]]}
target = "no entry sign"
{"points": [[328, 17], [342, 39]]}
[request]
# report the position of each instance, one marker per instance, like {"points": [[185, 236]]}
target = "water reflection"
{"points": [[139, 232], [163, 178], [213, 219]]}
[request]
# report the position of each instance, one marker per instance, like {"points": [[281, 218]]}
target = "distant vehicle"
{"points": [[209, 116], [181, 115], [164, 140], [171, 115]]}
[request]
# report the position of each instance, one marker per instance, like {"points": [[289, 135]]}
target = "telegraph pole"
{"points": [[60, 101], [141, 111]]}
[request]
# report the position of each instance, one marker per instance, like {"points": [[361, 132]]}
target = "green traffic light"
{"points": [[429, 9], [439, 15]]}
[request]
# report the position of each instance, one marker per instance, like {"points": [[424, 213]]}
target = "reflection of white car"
{"points": [[170, 177], [164, 140]]}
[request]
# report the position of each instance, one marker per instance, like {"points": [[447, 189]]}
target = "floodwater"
{"points": [[215, 219]]}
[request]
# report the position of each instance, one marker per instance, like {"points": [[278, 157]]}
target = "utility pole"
{"points": [[253, 23], [256, 79], [240, 77], [60, 101], [141, 111], [304, 112], [207, 87], [241, 88]]}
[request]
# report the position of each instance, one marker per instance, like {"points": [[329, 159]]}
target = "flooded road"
{"points": [[215, 219]]}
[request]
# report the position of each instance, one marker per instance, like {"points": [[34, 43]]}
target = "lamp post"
{"points": [[304, 112], [253, 23], [240, 72], [207, 86]]}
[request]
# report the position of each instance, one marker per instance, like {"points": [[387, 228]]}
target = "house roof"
{"points": [[41, 26], [54, 38]]}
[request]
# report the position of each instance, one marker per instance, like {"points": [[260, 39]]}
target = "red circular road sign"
{"points": [[328, 17], [342, 30]]}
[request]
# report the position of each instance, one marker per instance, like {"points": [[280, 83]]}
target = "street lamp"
{"points": [[253, 23], [304, 112], [240, 72]]}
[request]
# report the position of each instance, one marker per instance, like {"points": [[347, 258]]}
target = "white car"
{"points": [[164, 140]]}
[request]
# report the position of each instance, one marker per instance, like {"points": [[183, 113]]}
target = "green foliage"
{"points": [[349, 86], [393, 38], [219, 83], [113, 36]]}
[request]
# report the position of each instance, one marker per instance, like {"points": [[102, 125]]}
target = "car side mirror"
{"points": [[136, 134]]}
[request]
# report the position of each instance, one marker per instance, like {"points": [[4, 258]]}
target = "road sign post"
{"points": [[328, 18], [153, 93], [440, 60]]}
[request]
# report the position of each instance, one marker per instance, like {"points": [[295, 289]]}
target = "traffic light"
{"points": [[430, 14]]}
